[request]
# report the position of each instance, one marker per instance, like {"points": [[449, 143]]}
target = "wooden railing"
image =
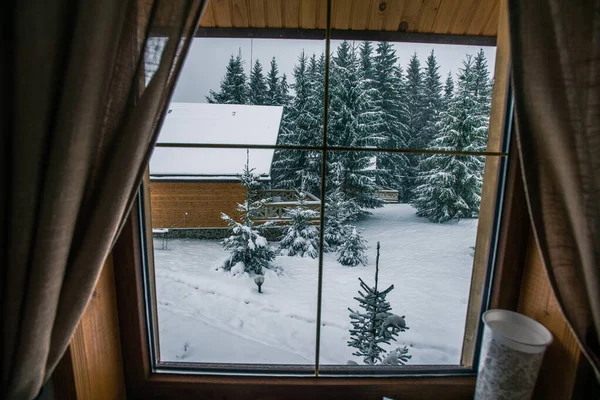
{"points": [[279, 201], [283, 195], [387, 195]]}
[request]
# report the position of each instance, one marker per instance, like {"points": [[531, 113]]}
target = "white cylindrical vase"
{"points": [[512, 350]]}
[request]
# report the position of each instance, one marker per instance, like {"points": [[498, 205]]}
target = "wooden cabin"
{"points": [[191, 187]]}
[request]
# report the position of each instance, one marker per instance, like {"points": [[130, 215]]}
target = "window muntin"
{"points": [[208, 145]]}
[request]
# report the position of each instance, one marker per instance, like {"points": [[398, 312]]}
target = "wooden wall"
{"points": [[559, 371], [459, 17], [92, 367], [203, 201]]}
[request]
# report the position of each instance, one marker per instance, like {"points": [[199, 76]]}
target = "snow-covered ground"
{"points": [[211, 316]]}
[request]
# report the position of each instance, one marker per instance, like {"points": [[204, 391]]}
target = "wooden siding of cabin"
{"points": [[203, 201]]}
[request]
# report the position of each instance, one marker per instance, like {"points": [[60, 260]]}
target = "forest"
{"points": [[384, 109]]}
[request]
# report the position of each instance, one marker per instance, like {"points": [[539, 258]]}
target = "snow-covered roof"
{"points": [[221, 123], [215, 124]]}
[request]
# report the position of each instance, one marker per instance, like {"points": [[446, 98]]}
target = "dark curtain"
{"points": [[83, 89], [555, 46]]}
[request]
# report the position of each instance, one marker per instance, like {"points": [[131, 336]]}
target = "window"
{"points": [[399, 172]]}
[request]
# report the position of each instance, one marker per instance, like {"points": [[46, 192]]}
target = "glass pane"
{"points": [[209, 253], [411, 96], [427, 227], [251, 91]]}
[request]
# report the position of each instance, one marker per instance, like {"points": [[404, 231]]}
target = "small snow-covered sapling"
{"points": [[259, 280], [376, 325]]}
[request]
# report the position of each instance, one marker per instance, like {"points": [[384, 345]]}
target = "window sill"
{"points": [[171, 386]]}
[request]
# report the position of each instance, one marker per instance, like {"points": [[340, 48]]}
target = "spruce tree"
{"points": [[376, 325], [482, 85], [301, 237], [448, 91], [366, 70], [257, 91], [336, 216], [449, 186], [414, 101], [352, 250], [301, 125], [432, 99], [392, 168], [273, 96], [413, 97], [354, 121], [284, 89], [233, 88], [246, 243]]}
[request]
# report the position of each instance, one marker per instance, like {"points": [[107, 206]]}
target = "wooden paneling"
{"points": [[561, 362], [258, 15], [428, 12], [92, 368], [240, 13], [446, 15], [208, 17], [393, 11], [480, 19], [459, 17], [221, 12], [308, 14], [273, 11], [202, 201], [291, 13]]}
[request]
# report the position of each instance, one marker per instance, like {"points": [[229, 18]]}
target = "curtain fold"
{"points": [[84, 86], [555, 46]]}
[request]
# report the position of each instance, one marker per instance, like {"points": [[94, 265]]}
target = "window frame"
{"points": [[142, 382]]}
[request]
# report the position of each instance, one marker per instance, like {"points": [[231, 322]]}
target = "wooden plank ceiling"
{"points": [[458, 17]]}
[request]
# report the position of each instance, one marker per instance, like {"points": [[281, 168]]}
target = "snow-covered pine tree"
{"points": [[482, 86], [352, 250], [301, 125], [246, 243], [398, 356], [257, 89], [251, 182], [375, 325], [432, 99], [413, 98], [366, 69], [449, 186], [448, 91], [284, 88], [336, 215], [392, 168], [301, 237], [233, 88], [273, 96], [354, 121]]}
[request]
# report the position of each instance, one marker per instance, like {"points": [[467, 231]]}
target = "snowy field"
{"points": [[212, 316]]}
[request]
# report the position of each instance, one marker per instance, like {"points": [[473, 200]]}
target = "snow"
{"points": [[215, 124], [213, 316], [160, 230], [221, 124], [237, 269], [203, 178], [216, 163]]}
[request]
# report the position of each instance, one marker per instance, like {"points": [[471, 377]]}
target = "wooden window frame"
{"points": [[142, 382]]}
